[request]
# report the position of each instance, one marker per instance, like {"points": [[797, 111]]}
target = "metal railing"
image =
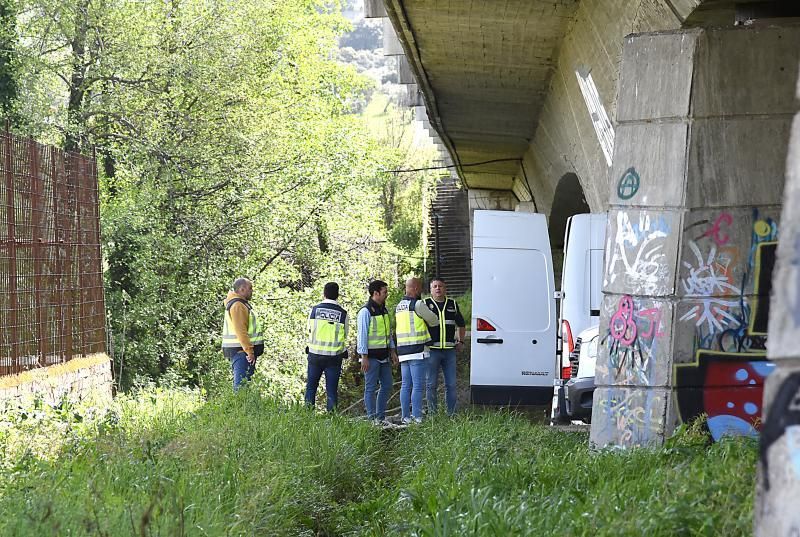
{"points": [[51, 279]]}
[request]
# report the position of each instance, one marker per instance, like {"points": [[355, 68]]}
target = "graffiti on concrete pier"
{"points": [[635, 253], [726, 379], [633, 332]]}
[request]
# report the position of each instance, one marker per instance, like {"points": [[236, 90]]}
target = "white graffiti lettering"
{"points": [[707, 287], [636, 252]]}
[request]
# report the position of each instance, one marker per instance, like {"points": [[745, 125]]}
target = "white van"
{"points": [[581, 291], [513, 340], [579, 389]]}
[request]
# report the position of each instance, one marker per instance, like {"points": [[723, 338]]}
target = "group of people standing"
{"points": [[424, 341]]}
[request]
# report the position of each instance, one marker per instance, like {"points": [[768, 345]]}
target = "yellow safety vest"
{"points": [[326, 330], [229, 339], [411, 328], [446, 326], [380, 328]]}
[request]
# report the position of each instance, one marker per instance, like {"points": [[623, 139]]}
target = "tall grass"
{"points": [[165, 463], [497, 474], [237, 465]]}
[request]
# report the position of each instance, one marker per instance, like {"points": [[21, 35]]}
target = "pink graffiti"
{"points": [[623, 328], [654, 328], [715, 231]]}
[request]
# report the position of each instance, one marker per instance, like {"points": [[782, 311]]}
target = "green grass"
{"points": [[465, 306], [165, 463]]}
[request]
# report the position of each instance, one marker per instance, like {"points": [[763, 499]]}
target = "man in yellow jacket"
{"points": [[242, 340]]}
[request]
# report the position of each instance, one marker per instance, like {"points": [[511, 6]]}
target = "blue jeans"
{"points": [[382, 373], [242, 369], [446, 359], [412, 387], [332, 367]]}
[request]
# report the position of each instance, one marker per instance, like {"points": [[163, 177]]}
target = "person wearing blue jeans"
{"points": [[413, 317], [375, 348], [412, 388], [242, 340], [379, 372], [327, 338], [444, 359], [444, 344], [332, 368], [242, 369]]}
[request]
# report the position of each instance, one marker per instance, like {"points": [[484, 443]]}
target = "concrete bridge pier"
{"points": [[778, 493], [695, 194]]}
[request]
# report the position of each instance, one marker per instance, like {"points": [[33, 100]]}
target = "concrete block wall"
{"points": [[778, 489], [76, 380], [695, 193], [565, 140]]}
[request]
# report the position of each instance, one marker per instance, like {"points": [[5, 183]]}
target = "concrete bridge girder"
{"points": [[691, 168], [487, 71]]}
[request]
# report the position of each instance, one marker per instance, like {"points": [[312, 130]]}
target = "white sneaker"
{"points": [[406, 421]]}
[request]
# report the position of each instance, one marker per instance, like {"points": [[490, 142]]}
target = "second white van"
{"points": [[581, 292]]}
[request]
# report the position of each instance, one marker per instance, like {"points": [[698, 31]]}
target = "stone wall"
{"points": [[779, 469], [76, 380], [565, 140], [695, 194]]}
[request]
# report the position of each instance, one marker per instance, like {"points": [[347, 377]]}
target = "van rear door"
{"points": [[597, 248], [513, 309]]}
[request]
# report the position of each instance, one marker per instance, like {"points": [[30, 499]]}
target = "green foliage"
{"points": [[164, 462], [406, 234], [228, 148], [497, 474], [465, 306], [8, 69], [238, 465]]}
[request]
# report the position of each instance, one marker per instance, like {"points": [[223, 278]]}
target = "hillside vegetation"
{"points": [[168, 463]]}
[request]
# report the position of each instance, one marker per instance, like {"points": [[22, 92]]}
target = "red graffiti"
{"points": [[715, 231], [654, 328], [622, 325]]}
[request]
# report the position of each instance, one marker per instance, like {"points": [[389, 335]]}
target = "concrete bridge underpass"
{"points": [[676, 117]]}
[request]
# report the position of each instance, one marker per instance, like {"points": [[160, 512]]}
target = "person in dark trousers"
{"points": [[327, 337], [242, 340], [376, 347], [446, 338]]}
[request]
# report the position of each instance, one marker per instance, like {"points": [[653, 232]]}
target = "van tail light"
{"points": [[485, 326], [566, 372], [566, 336]]}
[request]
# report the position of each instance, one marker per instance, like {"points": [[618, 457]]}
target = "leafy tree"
{"points": [[229, 148], [8, 44]]}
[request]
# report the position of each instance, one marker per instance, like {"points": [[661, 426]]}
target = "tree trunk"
{"points": [[74, 136], [8, 42]]}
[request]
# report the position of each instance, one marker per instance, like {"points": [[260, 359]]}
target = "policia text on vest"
{"points": [[327, 338]]}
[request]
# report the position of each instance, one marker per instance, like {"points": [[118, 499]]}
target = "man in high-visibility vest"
{"points": [[242, 340], [327, 336], [413, 318], [444, 343], [376, 347]]}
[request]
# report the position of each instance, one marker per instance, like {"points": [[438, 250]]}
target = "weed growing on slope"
{"points": [[239, 464], [498, 474], [168, 463]]}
